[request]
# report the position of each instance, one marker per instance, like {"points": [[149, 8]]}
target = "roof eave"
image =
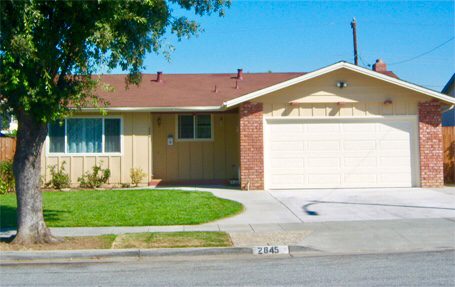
{"points": [[334, 67], [157, 109]]}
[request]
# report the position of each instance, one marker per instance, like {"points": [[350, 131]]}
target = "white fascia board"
{"points": [[401, 83], [156, 109], [332, 68]]}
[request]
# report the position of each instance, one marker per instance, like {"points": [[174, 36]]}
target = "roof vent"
{"points": [[240, 74], [379, 66], [159, 77]]}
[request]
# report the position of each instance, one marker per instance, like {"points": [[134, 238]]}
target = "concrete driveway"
{"points": [[319, 205], [315, 205]]}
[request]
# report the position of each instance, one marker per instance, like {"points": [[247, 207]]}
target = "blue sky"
{"points": [[288, 36]]}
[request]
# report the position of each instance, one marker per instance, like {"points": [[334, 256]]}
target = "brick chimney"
{"points": [[379, 66], [240, 74]]}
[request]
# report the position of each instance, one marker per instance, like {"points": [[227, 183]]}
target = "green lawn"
{"points": [[125, 208]]}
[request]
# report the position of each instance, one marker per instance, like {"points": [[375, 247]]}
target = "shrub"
{"points": [[96, 178], [136, 175], [7, 182], [60, 179]]}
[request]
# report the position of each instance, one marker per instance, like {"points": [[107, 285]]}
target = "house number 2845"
{"points": [[265, 250]]}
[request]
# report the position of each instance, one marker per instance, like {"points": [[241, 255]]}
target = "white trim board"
{"points": [[156, 109], [334, 67]]}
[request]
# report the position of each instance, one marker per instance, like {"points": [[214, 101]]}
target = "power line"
{"points": [[423, 54]]}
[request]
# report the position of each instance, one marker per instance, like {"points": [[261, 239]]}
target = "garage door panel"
{"points": [[323, 145], [286, 128], [391, 145], [287, 146], [325, 162], [395, 177], [397, 126], [290, 171], [365, 161], [341, 153], [324, 179], [361, 144], [394, 162], [358, 127], [360, 179], [287, 163], [323, 128], [285, 180]]}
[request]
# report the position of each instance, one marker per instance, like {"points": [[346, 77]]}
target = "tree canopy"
{"points": [[49, 53], [50, 49]]}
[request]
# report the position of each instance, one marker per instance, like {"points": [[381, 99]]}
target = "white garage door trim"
{"points": [[415, 164]]}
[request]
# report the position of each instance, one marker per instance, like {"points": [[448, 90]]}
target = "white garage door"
{"points": [[337, 153]]}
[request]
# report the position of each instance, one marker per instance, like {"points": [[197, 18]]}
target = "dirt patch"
{"points": [[69, 243], [242, 239], [172, 240]]}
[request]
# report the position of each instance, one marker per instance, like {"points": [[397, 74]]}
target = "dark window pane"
{"points": [[112, 135], [56, 137], [186, 127], [84, 135], [204, 127]]}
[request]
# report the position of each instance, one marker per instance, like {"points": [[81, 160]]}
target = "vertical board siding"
{"points": [[196, 160], [397, 108], [7, 148], [448, 134], [136, 153]]}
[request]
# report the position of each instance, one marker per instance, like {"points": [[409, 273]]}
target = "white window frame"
{"points": [[177, 138], [66, 153]]}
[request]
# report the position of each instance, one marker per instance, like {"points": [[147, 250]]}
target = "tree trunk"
{"points": [[31, 228]]}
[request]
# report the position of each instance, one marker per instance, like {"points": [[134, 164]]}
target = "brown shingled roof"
{"points": [[189, 90]]}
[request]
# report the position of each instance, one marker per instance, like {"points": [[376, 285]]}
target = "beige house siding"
{"points": [[196, 160], [136, 152], [320, 97]]}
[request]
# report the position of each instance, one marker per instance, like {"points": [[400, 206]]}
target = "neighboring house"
{"points": [[448, 118], [336, 127], [11, 128]]}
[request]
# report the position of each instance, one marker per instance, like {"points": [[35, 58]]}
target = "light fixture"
{"points": [[158, 121], [342, 84]]}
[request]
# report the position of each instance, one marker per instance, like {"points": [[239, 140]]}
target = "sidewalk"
{"points": [[377, 236]]}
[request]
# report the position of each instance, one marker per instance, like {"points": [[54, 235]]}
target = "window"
{"points": [[85, 135], [112, 135], [57, 137], [194, 127]]}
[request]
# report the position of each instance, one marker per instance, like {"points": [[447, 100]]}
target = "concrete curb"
{"points": [[8, 256], [50, 256]]}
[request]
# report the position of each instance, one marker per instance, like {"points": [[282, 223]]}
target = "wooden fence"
{"points": [[7, 148], [448, 134]]}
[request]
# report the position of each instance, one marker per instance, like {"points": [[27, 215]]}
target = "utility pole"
{"points": [[354, 35]]}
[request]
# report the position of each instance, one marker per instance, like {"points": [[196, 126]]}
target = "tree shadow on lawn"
{"points": [[8, 217]]}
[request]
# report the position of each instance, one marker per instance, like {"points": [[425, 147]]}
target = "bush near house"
{"points": [[59, 178], [96, 178], [7, 182], [137, 175]]}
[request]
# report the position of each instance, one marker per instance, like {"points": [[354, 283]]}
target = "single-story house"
{"points": [[448, 118], [337, 127]]}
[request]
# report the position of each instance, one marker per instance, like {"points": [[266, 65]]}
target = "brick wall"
{"points": [[251, 146], [430, 141]]}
